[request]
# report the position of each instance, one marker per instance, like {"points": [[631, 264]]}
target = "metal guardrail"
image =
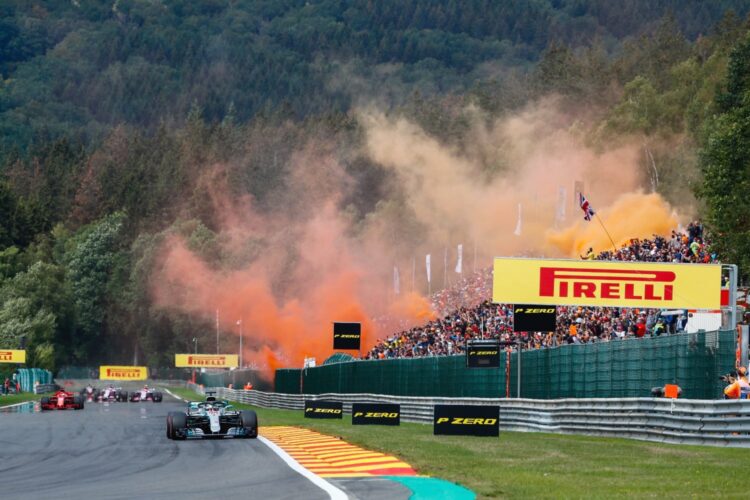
{"points": [[701, 422], [45, 388]]}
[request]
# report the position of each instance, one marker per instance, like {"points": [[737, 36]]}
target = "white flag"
{"points": [[562, 196], [427, 264], [517, 232], [459, 259], [396, 281]]}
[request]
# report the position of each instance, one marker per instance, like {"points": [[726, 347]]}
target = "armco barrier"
{"points": [[701, 422]]}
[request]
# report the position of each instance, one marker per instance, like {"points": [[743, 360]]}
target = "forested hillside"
{"points": [[125, 124]]}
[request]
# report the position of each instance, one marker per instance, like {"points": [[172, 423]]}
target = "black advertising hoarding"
{"points": [[465, 420], [532, 318], [483, 354], [376, 414], [324, 409], [346, 336]]}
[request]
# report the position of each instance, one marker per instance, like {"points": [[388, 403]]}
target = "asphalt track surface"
{"points": [[120, 450]]}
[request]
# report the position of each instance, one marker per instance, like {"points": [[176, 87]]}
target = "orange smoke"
{"points": [[632, 215], [326, 277]]}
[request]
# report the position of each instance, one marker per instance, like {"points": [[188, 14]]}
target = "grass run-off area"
{"points": [[11, 399], [533, 465]]}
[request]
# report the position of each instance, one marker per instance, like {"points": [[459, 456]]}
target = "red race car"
{"points": [[62, 400]]}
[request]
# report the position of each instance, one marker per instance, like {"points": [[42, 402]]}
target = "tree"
{"points": [[725, 162]]}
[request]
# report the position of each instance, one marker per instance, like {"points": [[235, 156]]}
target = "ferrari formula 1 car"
{"points": [[211, 418], [146, 394], [62, 400]]}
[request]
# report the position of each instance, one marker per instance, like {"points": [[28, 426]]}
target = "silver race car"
{"points": [[212, 418]]}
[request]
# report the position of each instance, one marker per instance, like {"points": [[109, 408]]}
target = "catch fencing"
{"points": [[620, 368], [715, 423]]}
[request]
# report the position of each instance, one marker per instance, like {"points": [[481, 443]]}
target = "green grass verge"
{"points": [[11, 399], [533, 465]]}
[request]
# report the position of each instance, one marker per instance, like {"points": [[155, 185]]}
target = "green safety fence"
{"points": [[28, 377], [620, 368]]}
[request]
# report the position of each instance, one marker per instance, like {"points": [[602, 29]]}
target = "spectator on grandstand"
{"points": [[465, 311]]}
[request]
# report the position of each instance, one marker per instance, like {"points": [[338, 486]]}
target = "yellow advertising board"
{"points": [[123, 372], [606, 283], [12, 356], [206, 360]]}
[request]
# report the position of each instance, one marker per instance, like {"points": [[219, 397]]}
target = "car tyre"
{"points": [[250, 422], [179, 423], [157, 397], [78, 402]]}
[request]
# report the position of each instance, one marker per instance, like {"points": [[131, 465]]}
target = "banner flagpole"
{"points": [[614, 247]]}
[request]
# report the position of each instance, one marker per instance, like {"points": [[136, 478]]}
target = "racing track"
{"points": [[120, 450]]}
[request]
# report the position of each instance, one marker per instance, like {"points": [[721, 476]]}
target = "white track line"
{"points": [[333, 492], [174, 395], [18, 404]]}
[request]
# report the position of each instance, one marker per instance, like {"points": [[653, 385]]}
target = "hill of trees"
{"points": [[111, 112]]}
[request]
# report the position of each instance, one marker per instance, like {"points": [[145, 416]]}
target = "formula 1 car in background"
{"points": [[89, 393], [211, 418], [146, 394], [112, 394], [62, 400]]}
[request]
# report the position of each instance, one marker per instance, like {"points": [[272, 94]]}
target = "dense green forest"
{"points": [[112, 112]]}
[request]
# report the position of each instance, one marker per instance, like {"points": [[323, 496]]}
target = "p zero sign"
{"points": [[324, 409], [206, 360], [376, 414], [596, 283], [346, 336], [123, 372], [466, 420], [534, 318], [483, 354]]}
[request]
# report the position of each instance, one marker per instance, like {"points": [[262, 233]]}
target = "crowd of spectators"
{"points": [[465, 311]]}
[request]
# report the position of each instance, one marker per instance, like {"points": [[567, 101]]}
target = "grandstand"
{"points": [[465, 311]]}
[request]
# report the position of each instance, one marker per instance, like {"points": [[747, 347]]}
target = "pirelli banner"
{"points": [[376, 414], [123, 372], [466, 420], [206, 360], [12, 356], [324, 409], [599, 283]]}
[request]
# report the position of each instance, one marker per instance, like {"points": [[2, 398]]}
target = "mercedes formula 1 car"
{"points": [[211, 418], [62, 400], [146, 394]]}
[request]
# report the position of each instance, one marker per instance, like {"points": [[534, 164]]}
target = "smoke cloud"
{"points": [[317, 265]]}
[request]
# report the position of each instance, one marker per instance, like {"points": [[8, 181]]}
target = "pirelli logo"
{"points": [[206, 360], [123, 372], [544, 283], [13, 356], [606, 284], [346, 336]]}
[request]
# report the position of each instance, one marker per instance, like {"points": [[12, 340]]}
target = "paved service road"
{"points": [[120, 450]]}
